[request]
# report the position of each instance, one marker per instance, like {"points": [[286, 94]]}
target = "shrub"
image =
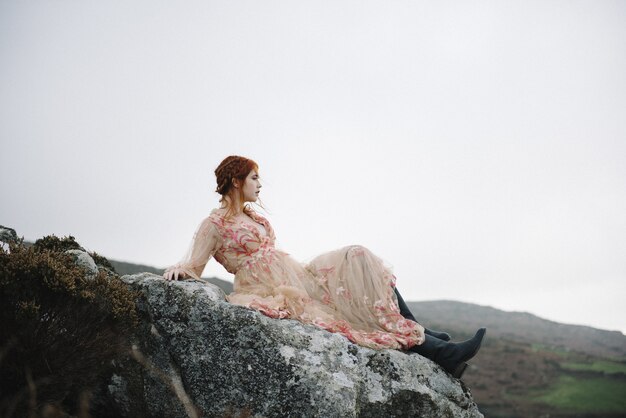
{"points": [[102, 262], [60, 329], [56, 244]]}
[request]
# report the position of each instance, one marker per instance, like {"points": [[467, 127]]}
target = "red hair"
{"points": [[230, 169]]}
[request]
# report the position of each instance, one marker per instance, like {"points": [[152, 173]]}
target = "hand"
{"points": [[175, 274]]}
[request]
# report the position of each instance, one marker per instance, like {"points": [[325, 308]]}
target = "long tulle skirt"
{"points": [[347, 291]]}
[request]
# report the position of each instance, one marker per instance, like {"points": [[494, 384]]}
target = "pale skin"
{"points": [[251, 187]]}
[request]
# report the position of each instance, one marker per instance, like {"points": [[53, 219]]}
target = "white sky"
{"points": [[478, 147]]}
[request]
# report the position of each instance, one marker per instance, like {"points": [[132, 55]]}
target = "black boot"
{"points": [[405, 312], [451, 356]]}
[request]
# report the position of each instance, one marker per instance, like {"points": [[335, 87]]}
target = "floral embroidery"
{"points": [[345, 293], [356, 251], [326, 300]]}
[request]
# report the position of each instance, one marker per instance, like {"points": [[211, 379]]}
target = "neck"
{"points": [[232, 206]]}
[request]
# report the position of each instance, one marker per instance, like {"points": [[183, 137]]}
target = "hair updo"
{"points": [[233, 167]]}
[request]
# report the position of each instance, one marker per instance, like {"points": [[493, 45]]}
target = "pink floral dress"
{"points": [[347, 291]]}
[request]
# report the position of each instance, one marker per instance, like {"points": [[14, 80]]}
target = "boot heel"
{"points": [[460, 369]]}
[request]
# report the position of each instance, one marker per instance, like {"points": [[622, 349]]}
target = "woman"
{"points": [[348, 291]]}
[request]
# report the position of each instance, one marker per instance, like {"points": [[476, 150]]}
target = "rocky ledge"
{"points": [[197, 355]]}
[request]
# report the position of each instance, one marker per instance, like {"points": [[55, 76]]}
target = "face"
{"points": [[251, 187]]}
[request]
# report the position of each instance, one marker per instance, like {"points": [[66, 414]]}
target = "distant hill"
{"points": [[519, 326]]}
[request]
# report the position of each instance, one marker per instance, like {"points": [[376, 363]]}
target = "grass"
{"points": [[602, 366], [542, 347], [585, 395]]}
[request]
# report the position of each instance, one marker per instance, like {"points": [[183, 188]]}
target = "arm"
{"points": [[206, 241]]}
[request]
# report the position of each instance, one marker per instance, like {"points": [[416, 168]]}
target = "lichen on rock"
{"points": [[229, 358]]}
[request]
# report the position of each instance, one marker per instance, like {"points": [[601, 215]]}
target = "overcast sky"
{"points": [[478, 147]]}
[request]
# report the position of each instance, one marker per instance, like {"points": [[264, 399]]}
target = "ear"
{"points": [[236, 183]]}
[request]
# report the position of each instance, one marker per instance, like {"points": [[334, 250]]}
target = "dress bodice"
{"points": [[242, 244]]}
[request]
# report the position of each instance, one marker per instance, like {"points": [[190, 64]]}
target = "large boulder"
{"points": [[196, 353]]}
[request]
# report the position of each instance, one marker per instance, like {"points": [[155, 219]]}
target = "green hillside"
{"points": [[531, 367]]}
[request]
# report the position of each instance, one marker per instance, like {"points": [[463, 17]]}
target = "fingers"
{"points": [[169, 275], [174, 274]]}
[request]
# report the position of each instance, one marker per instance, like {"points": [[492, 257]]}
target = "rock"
{"points": [[7, 235], [83, 259], [228, 359]]}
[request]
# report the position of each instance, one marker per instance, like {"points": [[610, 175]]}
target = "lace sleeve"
{"points": [[206, 241]]}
